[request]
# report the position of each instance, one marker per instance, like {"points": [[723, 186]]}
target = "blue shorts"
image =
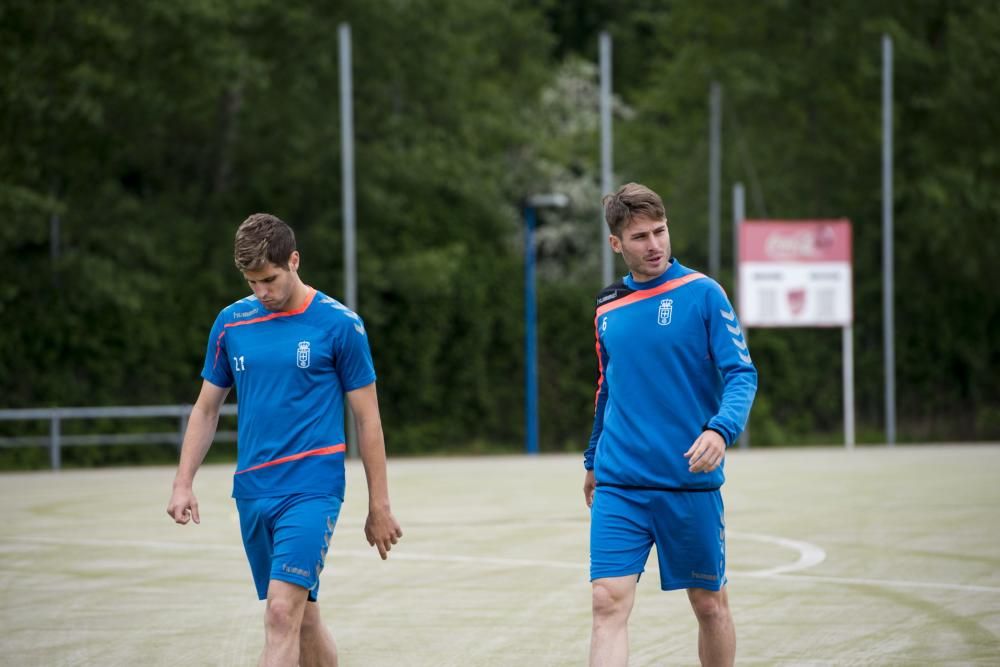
{"points": [[687, 527], [287, 537]]}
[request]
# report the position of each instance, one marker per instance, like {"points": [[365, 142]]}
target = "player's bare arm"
{"points": [[183, 505], [589, 484], [381, 528], [707, 452]]}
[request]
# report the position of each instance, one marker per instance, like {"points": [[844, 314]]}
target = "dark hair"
{"points": [[260, 239], [629, 201]]}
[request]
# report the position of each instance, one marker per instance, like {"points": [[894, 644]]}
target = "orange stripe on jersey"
{"points": [[600, 364], [218, 348], [322, 451], [647, 293], [270, 316]]}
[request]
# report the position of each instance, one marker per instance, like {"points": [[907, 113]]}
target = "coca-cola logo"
{"points": [[791, 246], [801, 244]]}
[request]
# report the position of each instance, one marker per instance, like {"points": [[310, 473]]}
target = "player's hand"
{"points": [[183, 506], [382, 530], [707, 452], [589, 484]]}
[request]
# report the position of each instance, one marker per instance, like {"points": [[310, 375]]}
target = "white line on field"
{"points": [[890, 583], [485, 560], [85, 542], [809, 556]]}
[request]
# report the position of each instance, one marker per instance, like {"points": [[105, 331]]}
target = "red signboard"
{"points": [[795, 273]]}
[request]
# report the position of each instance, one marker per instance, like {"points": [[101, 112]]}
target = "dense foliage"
{"points": [[136, 136]]}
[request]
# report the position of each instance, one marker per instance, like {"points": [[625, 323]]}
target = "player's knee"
{"points": [[281, 618], [610, 601], [709, 606]]}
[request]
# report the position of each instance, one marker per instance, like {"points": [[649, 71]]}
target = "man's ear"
{"points": [[293, 261], [616, 243]]}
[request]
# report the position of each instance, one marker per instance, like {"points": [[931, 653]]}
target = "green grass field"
{"points": [[869, 557]]}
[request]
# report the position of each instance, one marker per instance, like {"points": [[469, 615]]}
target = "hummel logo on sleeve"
{"points": [[731, 316], [735, 330]]}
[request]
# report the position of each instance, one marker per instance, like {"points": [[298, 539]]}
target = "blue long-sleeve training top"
{"points": [[673, 361]]}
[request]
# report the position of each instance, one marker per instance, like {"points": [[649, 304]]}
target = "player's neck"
{"points": [[300, 295]]}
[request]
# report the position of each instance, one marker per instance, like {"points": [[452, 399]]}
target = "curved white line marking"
{"points": [[810, 555]]}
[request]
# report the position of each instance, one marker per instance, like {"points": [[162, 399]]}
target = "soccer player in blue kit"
{"points": [[293, 354], [675, 389]]}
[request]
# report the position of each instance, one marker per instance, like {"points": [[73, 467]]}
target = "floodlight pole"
{"points": [[347, 164], [739, 213], [607, 259], [888, 325], [531, 206], [347, 195], [714, 176]]}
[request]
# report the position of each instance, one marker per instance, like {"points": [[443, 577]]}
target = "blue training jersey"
{"points": [[291, 370], [672, 362]]}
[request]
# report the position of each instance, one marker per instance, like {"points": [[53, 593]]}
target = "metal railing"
{"points": [[55, 440]]}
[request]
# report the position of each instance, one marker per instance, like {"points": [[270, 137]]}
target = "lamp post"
{"points": [[531, 206]]}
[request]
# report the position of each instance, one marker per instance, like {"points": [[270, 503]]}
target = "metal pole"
{"points": [[607, 259], [347, 166], [347, 194], [55, 444], [714, 176], [739, 212], [530, 349], [888, 328], [848, 359]]}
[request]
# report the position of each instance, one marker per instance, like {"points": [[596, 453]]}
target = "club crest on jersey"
{"points": [[665, 312], [302, 354]]}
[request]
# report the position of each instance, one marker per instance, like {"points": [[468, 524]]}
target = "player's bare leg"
{"points": [[317, 648], [716, 632], [613, 598], [282, 624]]}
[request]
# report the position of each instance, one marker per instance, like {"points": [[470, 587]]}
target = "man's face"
{"points": [[645, 247], [274, 286]]}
